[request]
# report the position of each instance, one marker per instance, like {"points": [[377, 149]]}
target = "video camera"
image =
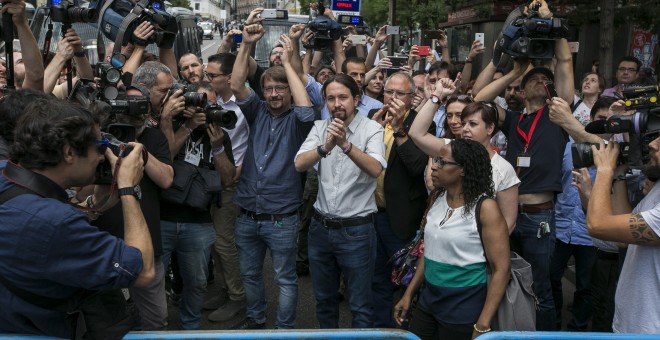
{"points": [[69, 11], [644, 122], [325, 29], [530, 37], [147, 10]]}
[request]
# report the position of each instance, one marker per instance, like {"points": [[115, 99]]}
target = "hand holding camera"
{"points": [[131, 167], [216, 135], [17, 10], [70, 44], [173, 105], [253, 17], [143, 33]]}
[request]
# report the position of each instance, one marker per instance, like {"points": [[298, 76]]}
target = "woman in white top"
{"points": [[592, 86], [483, 127]]}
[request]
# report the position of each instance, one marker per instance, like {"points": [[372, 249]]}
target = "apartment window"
{"points": [[197, 6]]}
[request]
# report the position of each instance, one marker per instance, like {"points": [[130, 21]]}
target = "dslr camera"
{"points": [[530, 37], [644, 122], [118, 136], [220, 117], [325, 29], [191, 98], [69, 11]]}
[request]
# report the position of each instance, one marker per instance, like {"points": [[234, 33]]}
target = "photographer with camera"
{"points": [[28, 65], [69, 47], [537, 138], [637, 292], [151, 299], [270, 190], [47, 246]]}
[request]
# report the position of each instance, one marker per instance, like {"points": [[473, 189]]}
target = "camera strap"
{"points": [[132, 15], [33, 182]]}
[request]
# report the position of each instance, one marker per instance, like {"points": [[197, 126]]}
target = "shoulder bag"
{"points": [[517, 309]]}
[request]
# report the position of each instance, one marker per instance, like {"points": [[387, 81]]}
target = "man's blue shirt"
{"points": [[269, 181], [571, 222], [48, 248]]}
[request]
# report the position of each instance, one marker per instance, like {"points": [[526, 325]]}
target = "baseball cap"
{"points": [[539, 69]]}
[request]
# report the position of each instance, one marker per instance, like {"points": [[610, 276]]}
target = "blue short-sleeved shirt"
{"points": [[48, 248], [269, 181]]}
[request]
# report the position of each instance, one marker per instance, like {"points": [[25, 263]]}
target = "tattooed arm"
{"points": [[610, 218]]}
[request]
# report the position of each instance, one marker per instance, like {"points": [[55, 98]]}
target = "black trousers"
{"points": [[425, 326], [604, 278]]}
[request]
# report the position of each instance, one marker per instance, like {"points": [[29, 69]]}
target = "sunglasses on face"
{"points": [[102, 145]]}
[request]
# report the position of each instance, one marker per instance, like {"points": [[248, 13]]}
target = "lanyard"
{"points": [[528, 138]]}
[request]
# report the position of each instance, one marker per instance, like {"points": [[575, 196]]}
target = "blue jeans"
{"points": [[252, 239], [348, 250], [536, 248], [192, 242], [382, 287]]}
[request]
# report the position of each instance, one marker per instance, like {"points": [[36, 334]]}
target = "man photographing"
{"points": [[47, 246], [638, 290]]}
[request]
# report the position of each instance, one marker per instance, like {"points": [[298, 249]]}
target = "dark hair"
{"points": [[630, 59], [443, 65], [345, 80], [351, 60], [203, 84], [417, 73], [477, 170], [274, 47], [275, 73], [47, 125], [324, 67], [603, 102], [489, 113], [601, 81], [12, 107], [187, 54], [465, 99], [226, 61]]}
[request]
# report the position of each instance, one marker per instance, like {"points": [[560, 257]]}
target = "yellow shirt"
{"points": [[380, 186]]}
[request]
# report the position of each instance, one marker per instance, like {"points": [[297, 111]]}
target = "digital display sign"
{"points": [[346, 5]]}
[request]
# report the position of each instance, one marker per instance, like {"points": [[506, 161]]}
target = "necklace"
{"points": [[448, 214]]}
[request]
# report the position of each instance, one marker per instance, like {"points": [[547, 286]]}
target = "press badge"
{"points": [[193, 153], [523, 161]]}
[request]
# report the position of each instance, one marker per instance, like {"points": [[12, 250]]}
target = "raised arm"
{"points": [[602, 223], [564, 79], [425, 141], [141, 34], [295, 32], [466, 73], [379, 39], [34, 67], [251, 34], [560, 114], [300, 96], [496, 87], [484, 78]]}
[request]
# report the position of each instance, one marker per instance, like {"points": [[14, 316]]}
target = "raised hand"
{"points": [[252, 33]]}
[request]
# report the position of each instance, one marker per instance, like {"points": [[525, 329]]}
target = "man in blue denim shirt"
{"points": [[47, 246], [270, 190]]}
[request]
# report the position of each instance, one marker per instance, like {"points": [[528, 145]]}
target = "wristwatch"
{"points": [[135, 191], [400, 133], [435, 99]]}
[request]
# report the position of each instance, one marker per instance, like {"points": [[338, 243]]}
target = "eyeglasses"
{"points": [[397, 93], [214, 75], [441, 162], [102, 145], [629, 69], [278, 89], [464, 98]]}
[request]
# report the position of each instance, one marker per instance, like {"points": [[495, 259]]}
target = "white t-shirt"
{"points": [[582, 113], [638, 291], [238, 135], [504, 176]]}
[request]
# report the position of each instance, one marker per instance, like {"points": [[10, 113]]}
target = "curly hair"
{"points": [[45, 127], [477, 170]]}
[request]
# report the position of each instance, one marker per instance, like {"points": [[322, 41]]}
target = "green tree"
{"points": [[411, 14], [181, 3]]}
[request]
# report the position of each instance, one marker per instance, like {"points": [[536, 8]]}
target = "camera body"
{"points": [[531, 37], [220, 117], [68, 12], [325, 29], [109, 78], [117, 135], [583, 157], [134, 106], [191, 98], [644, 122]]}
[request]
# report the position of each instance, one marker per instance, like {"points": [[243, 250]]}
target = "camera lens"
{"points": [[195, 99]]}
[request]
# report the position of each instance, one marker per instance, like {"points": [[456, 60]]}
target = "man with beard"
{"points": [[638, 290], [150, 299], [191, 68], [270, 190], [349, 151]]}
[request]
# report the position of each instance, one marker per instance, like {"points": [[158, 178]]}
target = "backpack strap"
{"points": [[575, 105]]}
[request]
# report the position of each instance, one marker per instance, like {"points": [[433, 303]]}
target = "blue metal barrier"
{"points": [[336, 334], [564, 336]]}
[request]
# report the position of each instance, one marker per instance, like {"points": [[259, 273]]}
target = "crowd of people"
{"points": [[331, 169]]}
